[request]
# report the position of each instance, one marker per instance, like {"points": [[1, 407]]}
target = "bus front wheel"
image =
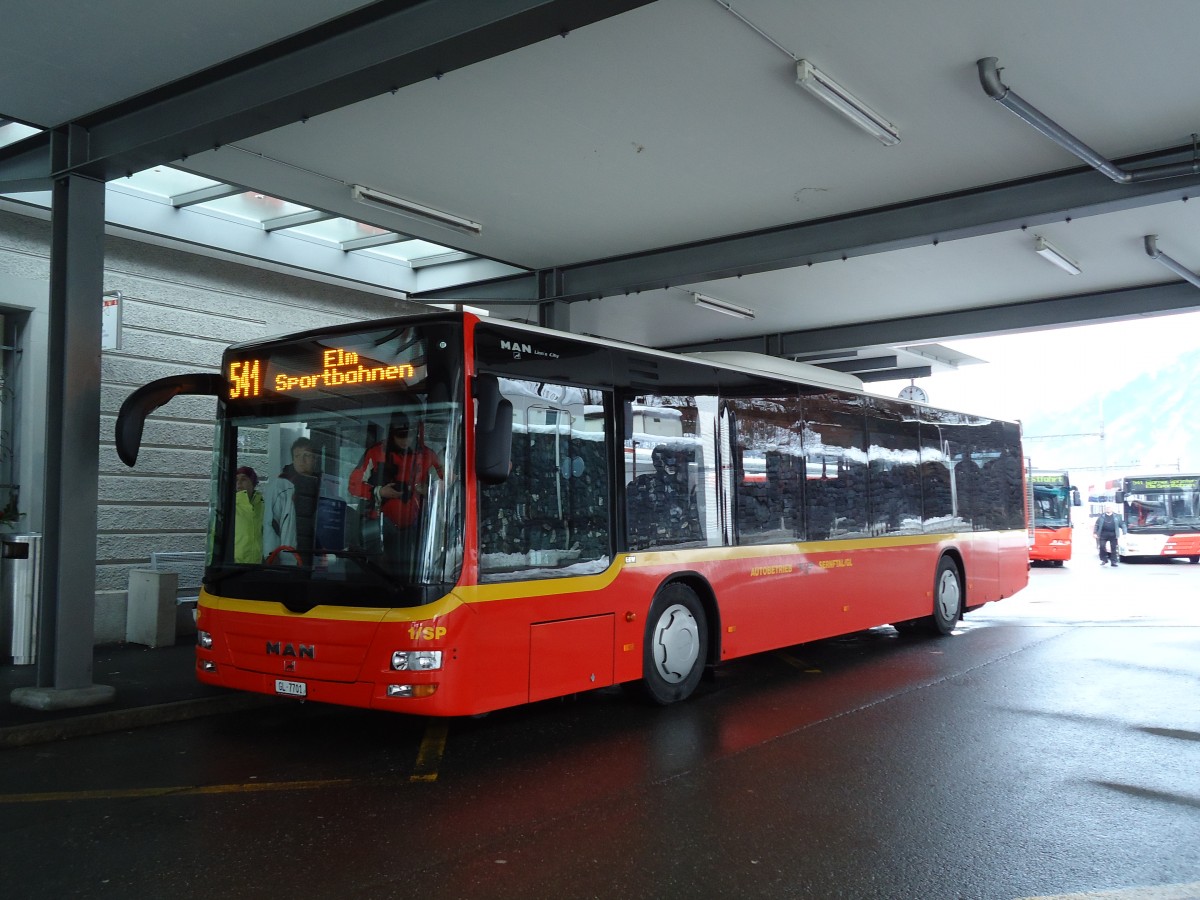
{"points": [[675, 645]]}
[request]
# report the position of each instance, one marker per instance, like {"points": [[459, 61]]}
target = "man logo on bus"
{"points": [[516, 348], [278, 648]]}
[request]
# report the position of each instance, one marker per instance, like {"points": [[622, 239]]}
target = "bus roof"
{"points": [[774, 365], [757, 363]]}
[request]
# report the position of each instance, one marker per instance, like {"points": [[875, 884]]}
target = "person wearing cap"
{"points": [[394, 474], [247, 518], [393, 478]]}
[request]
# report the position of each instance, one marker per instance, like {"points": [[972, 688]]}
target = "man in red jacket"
{"points": [[394, 478]]}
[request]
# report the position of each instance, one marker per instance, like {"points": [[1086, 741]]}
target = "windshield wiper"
{"points": [[226, 574], [364, 560]]}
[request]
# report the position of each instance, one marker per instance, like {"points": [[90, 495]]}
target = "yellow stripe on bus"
{"points": [[545, 587]]}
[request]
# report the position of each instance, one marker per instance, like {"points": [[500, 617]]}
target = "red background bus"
{"points": [[1162, 516], [1052, 499]]}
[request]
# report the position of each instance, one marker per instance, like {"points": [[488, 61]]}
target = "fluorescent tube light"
{"points": [[403, 207], [1044, 249], [826, 89], [723, 306]]}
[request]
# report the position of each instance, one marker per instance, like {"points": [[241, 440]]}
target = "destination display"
{"points": [[1165, 483], [324, 367]]}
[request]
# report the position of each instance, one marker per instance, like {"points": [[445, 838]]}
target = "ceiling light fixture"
{"points": [[723, 306], [826, 89], [380, 200], [1046, 250]]}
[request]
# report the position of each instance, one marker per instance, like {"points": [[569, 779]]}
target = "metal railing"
{"points": [[188, 566]]}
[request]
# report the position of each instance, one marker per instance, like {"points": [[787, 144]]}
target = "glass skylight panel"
{"points": [[337, 231], [164, 182], [11, 132], [411, 250], [252, 207]]}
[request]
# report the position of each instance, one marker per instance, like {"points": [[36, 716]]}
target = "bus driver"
{"points": [[393, 478]]}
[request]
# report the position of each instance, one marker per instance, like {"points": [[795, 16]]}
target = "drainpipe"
{"points": [[989, 78], [1174, 265]]}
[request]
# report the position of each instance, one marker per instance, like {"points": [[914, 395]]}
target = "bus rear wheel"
{"points": [[675, 646], [947, 596], [947, 602]]}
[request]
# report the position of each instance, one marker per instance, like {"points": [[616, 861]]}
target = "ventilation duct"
{"points": [[989, 77]]}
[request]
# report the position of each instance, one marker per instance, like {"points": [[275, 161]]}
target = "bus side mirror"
{"points": [[1119, 497], [1075, 498], [493, 431], [149, 397]]}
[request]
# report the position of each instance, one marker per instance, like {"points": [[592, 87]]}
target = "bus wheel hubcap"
{"points": [[676, 644], [948, 595]]}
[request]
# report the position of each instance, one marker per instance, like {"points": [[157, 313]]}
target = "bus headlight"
{"points": [[204, 640], [416, 660]]}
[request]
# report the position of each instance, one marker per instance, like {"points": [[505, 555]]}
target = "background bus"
{"points": [[1162, 516], [590, 513], [1052, 498]]}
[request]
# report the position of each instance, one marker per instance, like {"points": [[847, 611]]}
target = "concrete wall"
{"points": [[179, 313]]}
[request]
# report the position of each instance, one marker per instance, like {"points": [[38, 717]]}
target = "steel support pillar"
{"points": [[66, 624], [552, 313]]}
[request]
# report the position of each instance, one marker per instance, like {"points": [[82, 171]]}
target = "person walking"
{"points": [[1108, 530]]}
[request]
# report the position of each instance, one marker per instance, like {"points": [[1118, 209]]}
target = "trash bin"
{"points": [[21, 579]]}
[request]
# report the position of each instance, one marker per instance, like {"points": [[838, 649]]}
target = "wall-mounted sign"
{"points": [[110, 324]]}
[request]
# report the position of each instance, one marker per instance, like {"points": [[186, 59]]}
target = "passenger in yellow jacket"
{"points": [[248, 518]]}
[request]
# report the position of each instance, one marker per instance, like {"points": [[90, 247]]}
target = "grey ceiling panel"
{"points": [[1076, 193], [363, 54]]}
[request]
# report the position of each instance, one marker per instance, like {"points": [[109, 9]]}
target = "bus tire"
{"points": [[675, 646], [947, 596]]}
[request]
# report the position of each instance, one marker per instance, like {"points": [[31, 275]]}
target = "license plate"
{"points": [[291, 688]]}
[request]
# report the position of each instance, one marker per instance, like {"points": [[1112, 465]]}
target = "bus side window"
{"points": [[770, 475], [550, 517], [835, 446], [668, 470]]}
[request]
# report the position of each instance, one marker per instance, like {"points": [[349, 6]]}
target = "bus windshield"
{"points": [[337, 476], [1161, 505], [1051, 503]]}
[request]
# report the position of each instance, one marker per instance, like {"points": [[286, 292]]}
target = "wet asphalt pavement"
{"points": [[1050, 747]]}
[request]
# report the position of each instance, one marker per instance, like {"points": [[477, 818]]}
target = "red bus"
{"points": [[1052, 499], [1162, 516], [589, 514]]}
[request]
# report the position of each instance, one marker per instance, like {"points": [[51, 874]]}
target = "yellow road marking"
{"points": [[429, 756], [185, 791], [798, 664]]}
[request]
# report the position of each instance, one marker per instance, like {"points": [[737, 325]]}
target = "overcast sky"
{"points": [[1056, 369]]}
